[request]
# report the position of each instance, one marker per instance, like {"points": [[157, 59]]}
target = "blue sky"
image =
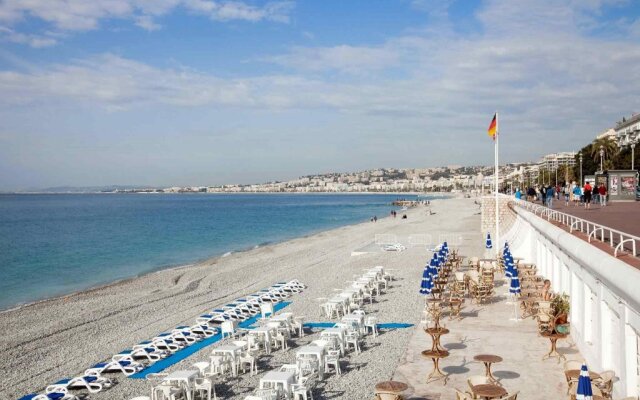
{"points": [[202, 92]]}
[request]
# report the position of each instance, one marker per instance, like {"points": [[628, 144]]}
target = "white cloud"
{"points": [[84, 15], [342, 58], [553, 86], [36, 41], [147, 23]]}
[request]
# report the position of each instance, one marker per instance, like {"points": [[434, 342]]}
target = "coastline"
{"points": [[61, 337], [207, 260]]}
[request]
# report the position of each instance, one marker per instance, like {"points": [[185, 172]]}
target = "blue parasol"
{"points": [[514, 287], [584, 385], [427, 283], [488, 242]]}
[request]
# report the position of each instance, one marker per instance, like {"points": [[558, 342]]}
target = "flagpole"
{"points": [[497, 137]]}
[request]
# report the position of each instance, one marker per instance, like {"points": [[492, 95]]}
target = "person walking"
{"points": [[602, 191], [518, 194], [550, 195], [565, 192], [595, 195], [577, 193], [587, 195]]}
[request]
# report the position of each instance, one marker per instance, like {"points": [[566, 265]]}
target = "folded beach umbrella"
{"points": [[433, 267], [488, 244], [584, 385], [509, 266], [427, 284], [514, 288]]}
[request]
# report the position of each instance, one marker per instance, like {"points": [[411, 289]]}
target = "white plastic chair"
{"points": [[203, 385], [332, 359], [248, 358], [353, 339], [266, 310], [228, 328], [298, 324], [370, 323]]}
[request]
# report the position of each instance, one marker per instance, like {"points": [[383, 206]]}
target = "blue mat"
{"points": [[180, 355], [392, 325]]}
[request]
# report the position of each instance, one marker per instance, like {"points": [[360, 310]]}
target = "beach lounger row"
{"points": [[142, 355]]}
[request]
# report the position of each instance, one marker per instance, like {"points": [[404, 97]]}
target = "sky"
{"points": [[209, 92]]}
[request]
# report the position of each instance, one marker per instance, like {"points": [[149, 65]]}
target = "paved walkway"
{"points": [[623, 216], [487, 329]]}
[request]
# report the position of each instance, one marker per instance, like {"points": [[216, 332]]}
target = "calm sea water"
{"points": [[56, 244]]}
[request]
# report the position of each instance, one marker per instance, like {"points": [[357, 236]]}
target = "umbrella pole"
{"points": [[515, 309]]}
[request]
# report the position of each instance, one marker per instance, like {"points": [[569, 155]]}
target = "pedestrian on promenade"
{"points": [[550, 195], [595, 195], [518, 194], [565, 192], [531, 193], [602, 191], [587, 195], [577, 194]]}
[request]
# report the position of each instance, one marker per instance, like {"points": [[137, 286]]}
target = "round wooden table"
{"points": [[392, 386], [488, 391], [435, 334], [553, 337], [488, 359], [435, 356], [575, 374]]}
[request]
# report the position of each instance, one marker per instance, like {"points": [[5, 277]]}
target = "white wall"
{"points": [[605, 295]]}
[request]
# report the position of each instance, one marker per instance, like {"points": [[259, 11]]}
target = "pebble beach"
{"points": [[53, 339]]}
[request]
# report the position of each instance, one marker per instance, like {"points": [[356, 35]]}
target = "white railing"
{"points": [[620, 241]]}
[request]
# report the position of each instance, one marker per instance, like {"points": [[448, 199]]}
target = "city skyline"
{"points": [[185, 92]]}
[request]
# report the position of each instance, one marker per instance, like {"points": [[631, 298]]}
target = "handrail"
{"points": [[577, 223]]}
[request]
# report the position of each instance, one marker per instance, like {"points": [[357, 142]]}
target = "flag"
{"points": [[493, 127]]}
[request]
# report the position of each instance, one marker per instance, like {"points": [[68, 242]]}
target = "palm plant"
{"points": [[610, 148]]}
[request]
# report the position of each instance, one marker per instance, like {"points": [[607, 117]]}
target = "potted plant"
{"points": [[561, 307]]}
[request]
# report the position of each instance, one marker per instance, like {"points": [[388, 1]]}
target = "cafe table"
{"points": [[488, 391], [488, 359], [184, 377], [279, 378]]}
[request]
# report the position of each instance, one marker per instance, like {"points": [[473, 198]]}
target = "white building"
{"points": [[628, 130], [556, 160], [608, 134]]}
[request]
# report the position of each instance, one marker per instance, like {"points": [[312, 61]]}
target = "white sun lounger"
{"points": [[92, 383]]}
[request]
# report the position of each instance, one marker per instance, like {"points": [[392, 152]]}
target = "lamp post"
{"points": [[581, 169], [633, 147], [601, 157]]}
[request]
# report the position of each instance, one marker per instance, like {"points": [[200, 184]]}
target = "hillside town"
{"points": [[550, 168]]}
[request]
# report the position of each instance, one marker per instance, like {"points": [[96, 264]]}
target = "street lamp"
{"points": [[633, 147], [580, 168], [601, 157]]}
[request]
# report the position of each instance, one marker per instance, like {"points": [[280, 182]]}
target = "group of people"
{"points": [[584, 195]]}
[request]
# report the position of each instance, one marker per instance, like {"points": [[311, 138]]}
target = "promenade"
{"points": [[623, 216]]}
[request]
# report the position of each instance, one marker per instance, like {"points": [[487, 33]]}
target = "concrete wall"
{"points": [[605, 294], [488, 214]]}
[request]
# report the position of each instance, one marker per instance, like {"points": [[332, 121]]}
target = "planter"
{"points": [[563, 328]]}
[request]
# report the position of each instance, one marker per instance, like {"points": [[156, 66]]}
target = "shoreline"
{"points": [[208, 260], [61, 337], [205, 260], [440, 194]]}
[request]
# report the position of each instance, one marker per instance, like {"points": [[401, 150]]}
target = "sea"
{"points": [[56, 244]]}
